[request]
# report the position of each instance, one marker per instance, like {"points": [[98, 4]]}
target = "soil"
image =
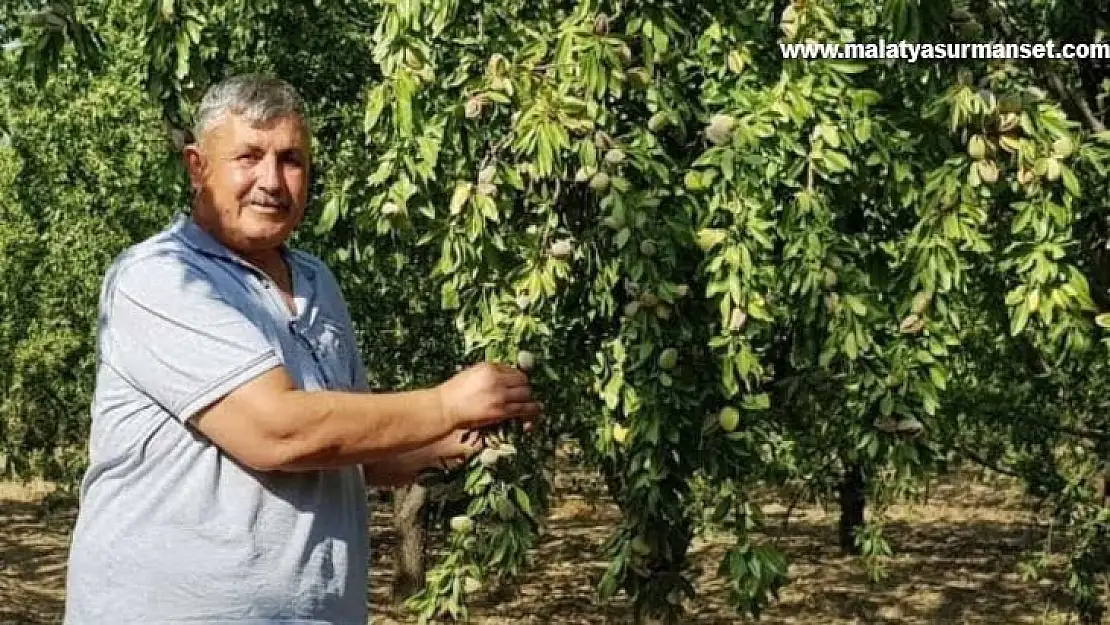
{"points": [[956, 560]]}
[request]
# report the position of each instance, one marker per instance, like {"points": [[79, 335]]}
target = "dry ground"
{"points": [[956, 562]]}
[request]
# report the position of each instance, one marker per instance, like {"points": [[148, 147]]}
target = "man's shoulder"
{"points": [[158, 257], [162, 263]]}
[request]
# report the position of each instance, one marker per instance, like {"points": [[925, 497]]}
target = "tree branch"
{"points": [[1080, 103], [979, 460], [1078, 432], [1055, 83]]}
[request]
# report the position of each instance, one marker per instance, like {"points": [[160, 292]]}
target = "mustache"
{"points": [[273, 202]]}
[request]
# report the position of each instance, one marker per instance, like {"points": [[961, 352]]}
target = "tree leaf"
{"points": [[708, 238], [460, 196]]}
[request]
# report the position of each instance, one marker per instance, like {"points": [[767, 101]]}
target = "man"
{"points": [[232, 431]]}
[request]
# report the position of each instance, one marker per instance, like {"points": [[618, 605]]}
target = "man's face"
{"points": [[253, 181]]}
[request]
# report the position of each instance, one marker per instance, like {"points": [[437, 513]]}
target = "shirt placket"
{"points": [[296, 323]]}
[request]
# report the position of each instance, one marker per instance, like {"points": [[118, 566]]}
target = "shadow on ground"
{"points": [[32, 562], [957, 561]]}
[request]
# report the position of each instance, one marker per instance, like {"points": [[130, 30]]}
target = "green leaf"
{"points": [[375, 104], [1019, 320], [328, 216], [708, 238], [886, 406], [487, 208], [183, 58], [873, 447], [513, 178], [523, 501], [1103, 320], [857, 305], [1071, 183], [403, 91], [851, 350], [936, 374], [835, 161], [449, 296], [845, 67], [862, 132], [621, 238], [611, 392], [459, 197], [762, 401]]}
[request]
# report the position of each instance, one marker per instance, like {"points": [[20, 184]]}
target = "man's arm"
{"points": [[269, 424], [224, 378]]}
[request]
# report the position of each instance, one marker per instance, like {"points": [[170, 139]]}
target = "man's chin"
{"points": [[266, 227]]}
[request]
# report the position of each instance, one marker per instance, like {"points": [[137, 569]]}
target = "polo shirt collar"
{"points": [[199, 239]]}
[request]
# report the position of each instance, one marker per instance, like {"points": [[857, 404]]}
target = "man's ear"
{"points": [[196, 163]]}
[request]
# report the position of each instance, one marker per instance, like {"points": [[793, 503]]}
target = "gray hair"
{"points": [[255, 97]]}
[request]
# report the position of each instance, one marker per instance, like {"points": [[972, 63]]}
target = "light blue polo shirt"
{"points": [[171, 529]]}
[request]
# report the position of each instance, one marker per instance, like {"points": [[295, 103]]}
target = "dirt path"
{"points": [[957, 562]]}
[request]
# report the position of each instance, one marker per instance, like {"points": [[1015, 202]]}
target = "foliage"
{"points": [[87, 169], [882, 267]]}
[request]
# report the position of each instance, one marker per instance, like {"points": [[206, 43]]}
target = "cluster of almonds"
{"points": [[646, 299], [599, 178], [497, 69], [1006, 137], [719, 130], [915, 321], [496, 449], [965, 24]]}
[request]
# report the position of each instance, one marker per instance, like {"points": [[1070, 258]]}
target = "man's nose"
{"points": [[269, 175]]}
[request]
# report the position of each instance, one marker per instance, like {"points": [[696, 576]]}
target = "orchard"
{"points": [[723, 269]]}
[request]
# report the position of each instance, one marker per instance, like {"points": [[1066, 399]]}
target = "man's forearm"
{"points": [[332, 429], [432, 455], [405, 467]]}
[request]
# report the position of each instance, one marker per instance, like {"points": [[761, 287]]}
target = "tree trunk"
{"points": [[408, 521], [852, 502]]}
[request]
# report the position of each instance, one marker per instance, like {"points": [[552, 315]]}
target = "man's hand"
{"points": [[480, 395], [485, 394], [458, 447]]}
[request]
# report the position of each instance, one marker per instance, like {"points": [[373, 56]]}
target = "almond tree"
{"points": [[724, 269]]}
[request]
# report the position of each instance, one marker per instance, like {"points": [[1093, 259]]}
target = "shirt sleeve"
{"points": [[181, 337]]}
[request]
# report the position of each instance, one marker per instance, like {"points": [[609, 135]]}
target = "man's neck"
{"points": [[269, 261]]}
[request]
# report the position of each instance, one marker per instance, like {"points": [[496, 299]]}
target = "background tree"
{"points": [[724, 269]]}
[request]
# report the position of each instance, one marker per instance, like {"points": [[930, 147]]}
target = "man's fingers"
{"points": [[511, 377], [518, 394], [525, 410]]}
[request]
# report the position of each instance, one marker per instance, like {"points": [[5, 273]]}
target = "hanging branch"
{"points": [[1055, 83]]}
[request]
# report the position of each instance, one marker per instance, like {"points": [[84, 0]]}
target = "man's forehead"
{"points": [[235, 130]]}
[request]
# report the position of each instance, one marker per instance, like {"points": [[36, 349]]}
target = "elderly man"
{"points": [[232, 430]]}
